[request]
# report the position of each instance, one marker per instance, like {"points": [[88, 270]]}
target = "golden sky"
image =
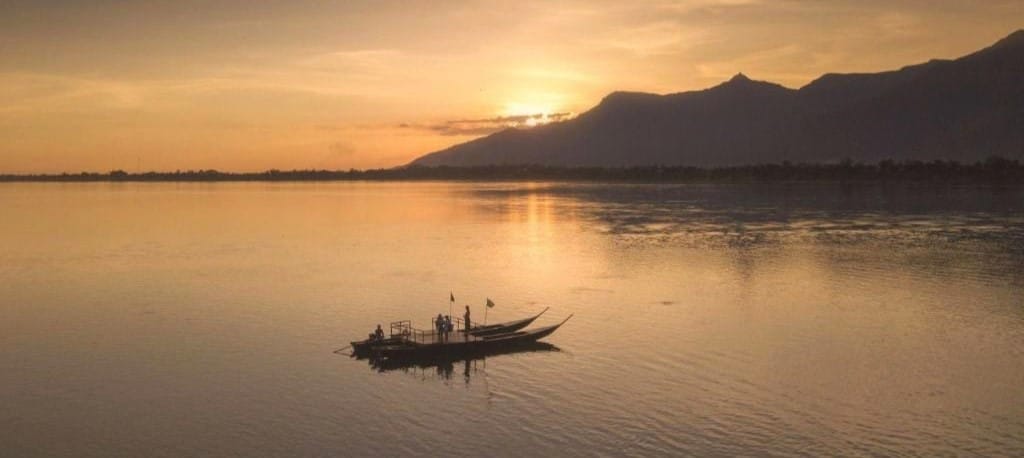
{"points": [[248, 85]]}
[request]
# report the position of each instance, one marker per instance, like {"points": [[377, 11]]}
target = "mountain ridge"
{"points": [[962, 109]]}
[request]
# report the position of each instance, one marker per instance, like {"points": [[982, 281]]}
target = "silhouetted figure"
{"points": [[448, 327], [379, 333], [439, 326], [466, 317]]}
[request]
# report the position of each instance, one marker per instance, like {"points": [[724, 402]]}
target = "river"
{"points": [[200, 319]]}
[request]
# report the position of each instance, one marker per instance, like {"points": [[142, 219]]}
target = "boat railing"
{"points": [[405, 331], [401, 328]]}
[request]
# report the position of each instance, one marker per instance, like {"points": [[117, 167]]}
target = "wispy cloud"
{"points": [[484, 126], [29, 92], [359, 59], [651, 39]]}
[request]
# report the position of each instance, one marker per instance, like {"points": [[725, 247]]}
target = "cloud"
{"points": [[548, 117], [365, 60], [48, 94], [484, 126], [661, 37]]}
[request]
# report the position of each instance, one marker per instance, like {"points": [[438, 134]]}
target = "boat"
{"points": [[501, 328], [401, 330], [463, 345]]}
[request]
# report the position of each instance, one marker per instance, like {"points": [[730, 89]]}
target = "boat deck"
{"points": [[434, 338], [403, 330]]}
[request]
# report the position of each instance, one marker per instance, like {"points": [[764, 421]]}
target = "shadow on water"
{"points": [[445, 365]]}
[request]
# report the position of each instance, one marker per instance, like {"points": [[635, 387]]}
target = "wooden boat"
{"points": [[501, 328], [399, 333], [465, 345]]}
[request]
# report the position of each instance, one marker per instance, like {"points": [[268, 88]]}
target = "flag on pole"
{"points": [[451, 302], [490, 303]]}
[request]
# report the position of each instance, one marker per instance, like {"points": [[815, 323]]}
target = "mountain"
{"points": [[965, 109]]}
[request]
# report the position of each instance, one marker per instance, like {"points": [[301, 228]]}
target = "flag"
{"points": [[452, 297], [490, 303]]}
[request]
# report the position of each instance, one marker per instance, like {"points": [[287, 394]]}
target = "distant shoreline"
{"points": [[995, 169]]}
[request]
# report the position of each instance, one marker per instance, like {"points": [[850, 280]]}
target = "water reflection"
{"points": [[443, 367], [729, 216]]}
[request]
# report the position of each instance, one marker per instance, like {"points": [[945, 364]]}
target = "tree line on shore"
{"points": [[996, 169]]}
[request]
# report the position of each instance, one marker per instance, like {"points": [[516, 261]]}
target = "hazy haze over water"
{"points": [[199, 319]]}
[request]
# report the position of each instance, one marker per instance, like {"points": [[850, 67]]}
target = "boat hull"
{"points": [[467, 346], [383, 364], [366, 346]]}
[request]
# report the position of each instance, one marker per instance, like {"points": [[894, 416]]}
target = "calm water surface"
{"points": [[200, 319]]}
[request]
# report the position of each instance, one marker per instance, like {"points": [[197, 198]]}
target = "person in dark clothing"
{"points": [[439, 326], [466, 317], [378, 334]]}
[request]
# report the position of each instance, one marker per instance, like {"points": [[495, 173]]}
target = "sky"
{"points": [[248, 85]]}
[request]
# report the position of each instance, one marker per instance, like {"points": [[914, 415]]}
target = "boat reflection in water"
{"points": [[444, 365]]}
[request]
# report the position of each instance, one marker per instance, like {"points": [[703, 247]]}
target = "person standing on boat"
{"points": [[439, 326], [466, 317], [379, 333]]}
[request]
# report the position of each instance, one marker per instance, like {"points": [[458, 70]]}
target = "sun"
{"points": [[530, 114]]}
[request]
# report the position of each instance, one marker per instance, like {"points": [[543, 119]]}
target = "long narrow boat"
{"points": [[501, 328], [363, 347], [468, 345]]}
